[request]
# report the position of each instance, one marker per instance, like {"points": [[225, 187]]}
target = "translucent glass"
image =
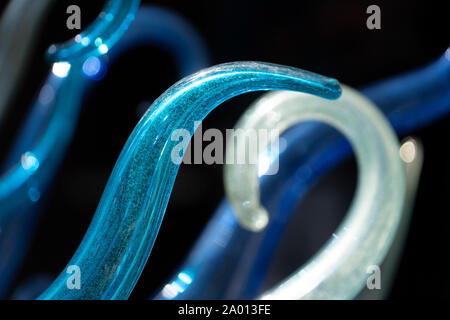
{"points": [[18, 206], [338, 271], [110, 25], [21, 185], [122, 233], [411, 153], [53, 118], [227, 261], [20, 23]]}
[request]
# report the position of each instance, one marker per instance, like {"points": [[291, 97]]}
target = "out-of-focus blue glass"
{"points": [[153, 25], [119, 240], [228, 262], [168, 30], [98, 38], [18, 218], [21, 184]]}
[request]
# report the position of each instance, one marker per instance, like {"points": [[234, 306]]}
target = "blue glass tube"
{"points": [[153, 25], [119, 240], [112, 22], [25, 184], [29, 173], [168, 30], [18, 222], [228, 262]]}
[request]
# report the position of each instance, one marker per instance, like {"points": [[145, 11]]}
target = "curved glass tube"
{"points": [[166, 29], [227, 261], [21, 180], [411, 153], [147, 31], [25, 178], [338, 271], [112, 22], [415, 99], [20, 20], [118, 242], [19, 221], [153, 25]]}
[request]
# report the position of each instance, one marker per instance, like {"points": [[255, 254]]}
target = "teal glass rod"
{"points": [[119, 240]]}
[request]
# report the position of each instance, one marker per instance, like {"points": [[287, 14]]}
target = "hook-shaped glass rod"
{"points": [[227, 261], [118, 242], [101, 35], [338, 271]]}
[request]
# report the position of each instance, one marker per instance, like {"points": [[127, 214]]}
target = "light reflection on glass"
{"points": [[61, 69], [408, 151], [103, 49], [179, 285], [92, 66], [29, 161]]}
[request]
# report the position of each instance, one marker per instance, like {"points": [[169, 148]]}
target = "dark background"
{"points": [[327, 37]]}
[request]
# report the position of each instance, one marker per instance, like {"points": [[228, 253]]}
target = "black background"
{"points": [[327, 37]]}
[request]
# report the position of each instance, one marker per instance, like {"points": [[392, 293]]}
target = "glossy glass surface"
{"points": [[127, 220], [19, 217], [229, 262], [110, 25], [338, 271]]}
